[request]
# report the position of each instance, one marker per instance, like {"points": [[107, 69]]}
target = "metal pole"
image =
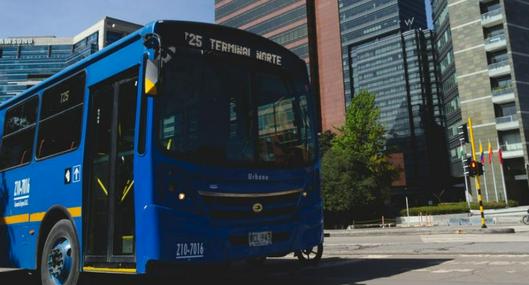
{"points": [[503, 177], [463, 157], [493, 174], [478, 184], [484, 173], [407, 207]]}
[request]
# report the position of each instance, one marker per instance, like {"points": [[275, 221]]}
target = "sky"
{"points": [[67, 18]]}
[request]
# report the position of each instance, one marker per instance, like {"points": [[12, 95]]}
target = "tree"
{"points": [[326, 139], [356, 173]]}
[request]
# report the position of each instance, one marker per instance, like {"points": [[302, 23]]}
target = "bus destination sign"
{"points": [[199, 41]]}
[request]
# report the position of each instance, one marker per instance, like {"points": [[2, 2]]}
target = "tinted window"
{"points": [[19, 131], [61, 116], [220, 112]]}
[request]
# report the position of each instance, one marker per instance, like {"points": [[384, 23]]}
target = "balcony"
{"points": [[512, 150], [492, 18], [495, 43], [507, 123], [499, 68], [502, 95]]}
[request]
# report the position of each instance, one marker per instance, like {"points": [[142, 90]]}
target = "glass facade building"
{"points": [[25, 61], [387, 51], [366, 21], [447, 75]]}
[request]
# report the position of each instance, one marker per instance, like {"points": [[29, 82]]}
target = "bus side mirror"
{"points": [[151, 77], [152, 66]]}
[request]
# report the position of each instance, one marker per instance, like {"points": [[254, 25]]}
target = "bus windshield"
{"points": [[222, 110]]}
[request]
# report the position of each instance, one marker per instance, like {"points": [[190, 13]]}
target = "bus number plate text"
{"points": [[260, 238], [189, 250]]}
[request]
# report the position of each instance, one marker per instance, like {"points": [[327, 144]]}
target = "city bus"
{"points": [[182, 143]]}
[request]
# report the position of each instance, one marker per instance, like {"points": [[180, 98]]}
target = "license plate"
{"points": [[260, 238]]}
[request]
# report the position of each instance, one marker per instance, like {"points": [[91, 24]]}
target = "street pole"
{"points": [[407, 207], [484, 172], [491, 159], [463, 157], [478, 184], [503, 177]]}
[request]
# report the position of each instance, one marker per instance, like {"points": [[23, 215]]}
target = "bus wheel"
{"points": [[310, 256], [59, 264]]}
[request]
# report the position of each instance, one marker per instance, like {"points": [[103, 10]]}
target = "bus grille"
{"points": [[240, 207]]}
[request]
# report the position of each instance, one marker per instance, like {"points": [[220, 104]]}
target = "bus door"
{"points": [[110, 153]]}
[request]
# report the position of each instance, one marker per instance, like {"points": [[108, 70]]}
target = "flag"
{"points": [[490, 153], [482, 157], [500, 155]]}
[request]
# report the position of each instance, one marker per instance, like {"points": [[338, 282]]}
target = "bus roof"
{"points": [[148, 28]]}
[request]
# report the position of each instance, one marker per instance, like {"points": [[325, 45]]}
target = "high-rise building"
{"points": [[367, 21], [447, 76], [491, 55], [25, 61], [309, 28], [388, 52]]}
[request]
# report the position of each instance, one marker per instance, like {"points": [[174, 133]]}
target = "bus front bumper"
{"points": [[179, 237]]}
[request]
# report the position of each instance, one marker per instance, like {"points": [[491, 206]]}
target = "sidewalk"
{"points": [[433, 230]]}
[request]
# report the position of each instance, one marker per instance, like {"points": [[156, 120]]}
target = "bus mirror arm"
{"points": [[154, 42]]}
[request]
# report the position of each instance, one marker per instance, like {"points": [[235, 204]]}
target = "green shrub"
{"points": [[454, 208]]}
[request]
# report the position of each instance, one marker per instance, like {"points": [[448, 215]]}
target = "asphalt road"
{"points": [[383, 259]]}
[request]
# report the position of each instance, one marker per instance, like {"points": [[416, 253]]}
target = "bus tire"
{"points": [[310, 256], [59, 262]]}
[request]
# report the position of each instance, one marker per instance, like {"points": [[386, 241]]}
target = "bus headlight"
{"points": [[181, 196]]}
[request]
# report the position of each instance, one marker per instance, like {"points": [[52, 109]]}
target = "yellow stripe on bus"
{"points": [[75, 212], [35, 217], [16, 219], [109, 270]]}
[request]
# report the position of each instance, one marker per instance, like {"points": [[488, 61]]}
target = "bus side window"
{"points": [[19, 131], [61, 117]]}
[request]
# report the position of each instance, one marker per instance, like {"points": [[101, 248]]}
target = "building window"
{"points": [[452, 106]]}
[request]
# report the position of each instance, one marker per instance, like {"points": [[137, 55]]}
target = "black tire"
{"points": [[311, 256], [525, 219], [59, 263]]}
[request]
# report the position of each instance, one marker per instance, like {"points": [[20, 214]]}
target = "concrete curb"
{"points": [[421, 231]]}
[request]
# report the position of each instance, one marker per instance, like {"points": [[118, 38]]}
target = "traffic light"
{"points": [[474, 167], [463, 133]]}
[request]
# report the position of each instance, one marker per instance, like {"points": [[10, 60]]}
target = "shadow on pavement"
{"points": [[331, 271]]}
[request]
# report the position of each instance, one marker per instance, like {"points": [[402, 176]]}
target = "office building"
{"points": [[25, 61], [309, 28], [388, 51], [447, 76], [371, 20], [490, 40]]}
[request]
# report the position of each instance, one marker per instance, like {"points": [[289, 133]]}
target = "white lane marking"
{"points": [[376, 256], [473, 238], [443, 271]]}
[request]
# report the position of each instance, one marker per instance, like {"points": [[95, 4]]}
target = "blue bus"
{"points": [[182, 143]]}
